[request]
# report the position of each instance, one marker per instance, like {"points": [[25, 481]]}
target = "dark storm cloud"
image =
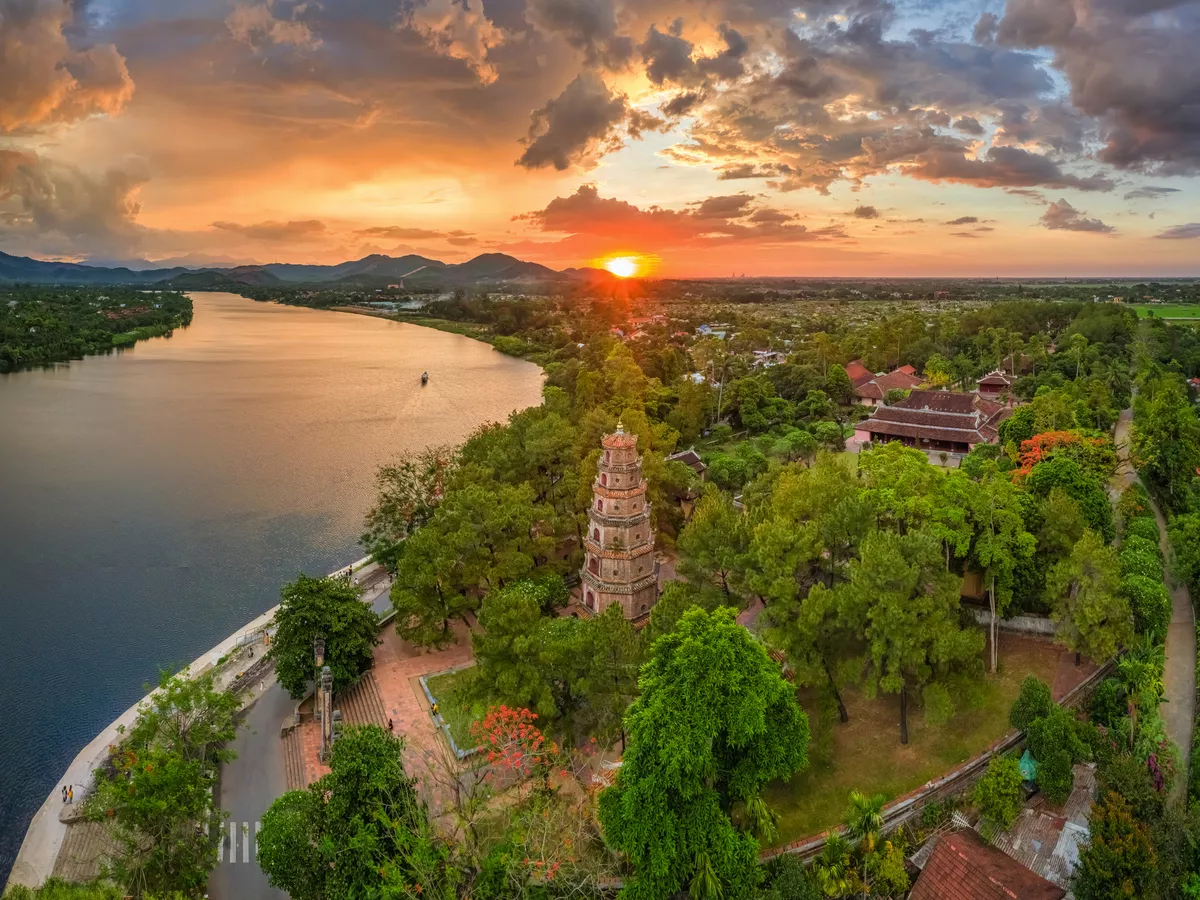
{"points": [[583, 119], [1132, 66], [587, 25], [968, 125], [85, 212], [963, 220], [865, 212], [1061, 215], [1003, 167], [668, 57], [681, 104]]}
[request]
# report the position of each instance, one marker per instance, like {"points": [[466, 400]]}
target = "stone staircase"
{"points": [[362, 703], [293, 761], [85, 847]]}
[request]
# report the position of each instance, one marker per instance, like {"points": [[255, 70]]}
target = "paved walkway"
{"points": [[398, 664], [1179, 701]]}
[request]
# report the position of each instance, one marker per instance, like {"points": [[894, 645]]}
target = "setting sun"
{"points": [[622, 266]]}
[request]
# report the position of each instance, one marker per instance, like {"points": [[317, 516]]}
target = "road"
{"points": [[253, 780]]}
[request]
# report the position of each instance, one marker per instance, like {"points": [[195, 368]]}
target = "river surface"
{"points": [[153, 501]]}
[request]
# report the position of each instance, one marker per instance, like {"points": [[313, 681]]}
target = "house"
{"points": [[639, 335], [617, 332], [764, 359], [937, 421], [692, 460], [858, 372], [963, 867], [872, 391], [714, 330], [696, 377], [995, 384]]}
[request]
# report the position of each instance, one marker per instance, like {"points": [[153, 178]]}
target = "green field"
{"points": [[454, 693], [1168, 310]]}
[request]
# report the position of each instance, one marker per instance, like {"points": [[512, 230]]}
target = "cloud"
{"points": [[1150, 192], [43, 80], [964, 220], [80, 212], [256, 24], [1181, 232], [963, 234], [587, 25], [1002, 167], [399, 233], [865, 212], [593, 222], [1132, 66], [574, 126], [460, 30], [294, 230], [1063, 216], [968, 125]]}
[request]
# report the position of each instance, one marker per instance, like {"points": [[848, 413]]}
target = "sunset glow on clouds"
{"points": [[708, 136]]}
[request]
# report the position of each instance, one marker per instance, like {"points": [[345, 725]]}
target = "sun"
{"points": [[622, 266]]}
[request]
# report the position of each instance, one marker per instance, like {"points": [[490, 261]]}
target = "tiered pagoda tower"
{"points": [[619, 566]]}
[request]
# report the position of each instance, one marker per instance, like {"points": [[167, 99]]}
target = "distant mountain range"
{"points": [[376, 270]]}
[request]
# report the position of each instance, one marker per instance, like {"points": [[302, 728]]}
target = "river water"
{"points": [[153, 501]]}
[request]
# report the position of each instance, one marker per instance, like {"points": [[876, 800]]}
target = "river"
{"points": [[154, 500]]}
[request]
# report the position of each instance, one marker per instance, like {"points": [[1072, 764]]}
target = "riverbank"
{"points": [[229, 663]]}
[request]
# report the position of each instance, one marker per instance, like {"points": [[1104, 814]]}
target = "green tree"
{"points": [[833, 867], [155, 796], [609, 682], [1001, 544], [838, 386], [908, 605], [326, 608], [813, 633], [509, 648], [696, 748], [1119, 860], [1034, 702], [864, 819], [998, 794], [1062, 525], [1166, 440], [359, 831], [407, 492], [677, 598], [428, 593], [714, 544], [1092, 613]]}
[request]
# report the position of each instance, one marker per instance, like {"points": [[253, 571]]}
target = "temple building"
{"points": [[619, 565], [937, 421]]}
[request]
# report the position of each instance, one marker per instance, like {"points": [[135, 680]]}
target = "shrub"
{"points": [[1108, 703], [1143, 527], [1055, 777], [998, 793], [1053, 733], [1135, 561], [1134, 503], [1130, 777], [1135, 544], [789, 880], [1034, 702], [1150, 603]]}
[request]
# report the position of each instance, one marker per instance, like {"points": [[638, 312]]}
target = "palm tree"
{"points": [[832, 868], [705, 884], [762, 819], [864, 819], [1141, 671]]}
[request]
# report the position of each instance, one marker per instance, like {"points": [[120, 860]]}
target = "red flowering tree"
{"points": [[1095, 455], [513, 743]]}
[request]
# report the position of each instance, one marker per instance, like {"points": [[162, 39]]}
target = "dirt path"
{"points": [[1179, 701]]}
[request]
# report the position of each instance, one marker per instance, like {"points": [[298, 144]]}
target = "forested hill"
{"points": [[40, 325]]}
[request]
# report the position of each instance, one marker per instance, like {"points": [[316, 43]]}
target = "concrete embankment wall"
{"points": [[45, 834]]}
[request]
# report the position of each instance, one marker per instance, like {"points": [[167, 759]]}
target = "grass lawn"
{"points": [[866, 753], [1168, 310], [467, 329], [458, 707]]}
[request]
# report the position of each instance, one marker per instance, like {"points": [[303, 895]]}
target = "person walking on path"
{"points": [[71, 794], [64, 793]]}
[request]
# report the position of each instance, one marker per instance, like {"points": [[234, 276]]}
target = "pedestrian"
{"points": [[262, 687], [64, 793], [390, 727], [71, 794]]}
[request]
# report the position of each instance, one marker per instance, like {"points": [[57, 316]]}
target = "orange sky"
{"points": [[713, 138]]}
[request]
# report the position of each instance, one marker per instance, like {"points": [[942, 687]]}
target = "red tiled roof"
{"points": [[998, 379], [963, 867], [858, 372], [877, 388], [907, 370], [619, 439]]}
